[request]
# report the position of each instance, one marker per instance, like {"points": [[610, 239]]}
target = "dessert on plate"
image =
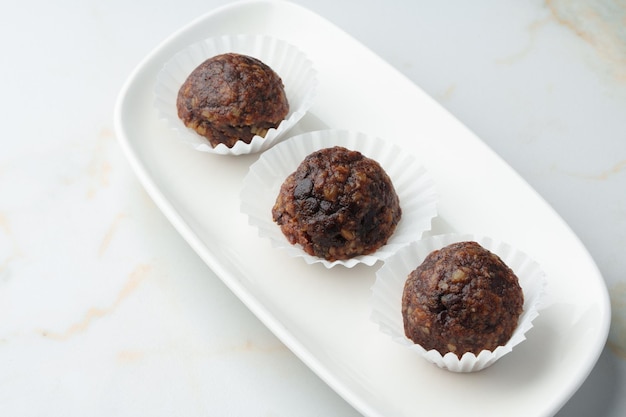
{"points": [[461, 298], [337, 205], [232, 97]]}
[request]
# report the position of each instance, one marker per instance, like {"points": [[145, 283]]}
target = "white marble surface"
{"points": [[107, 312]]}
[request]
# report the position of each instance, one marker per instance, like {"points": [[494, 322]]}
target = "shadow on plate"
{"points": [[600, 391]]}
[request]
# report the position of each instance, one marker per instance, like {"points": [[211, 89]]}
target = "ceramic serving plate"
{"points": [[323, 315]]}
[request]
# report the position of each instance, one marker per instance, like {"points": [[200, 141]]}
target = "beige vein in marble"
{"points": [[616, 169], [134, 279], [533, 30], [602, 176], [99, 168], [447, 93], [106, 241], [600, 23]]}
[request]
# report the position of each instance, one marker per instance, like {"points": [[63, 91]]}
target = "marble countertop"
{"points": [[105, 308]]}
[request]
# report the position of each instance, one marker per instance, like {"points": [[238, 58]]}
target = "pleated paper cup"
{"points": [[413, 184], [386, 301], [290, 63]]}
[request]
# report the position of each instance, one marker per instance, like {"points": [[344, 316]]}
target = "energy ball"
{"points": [[232, 97], [462, 298], [338, 204]]}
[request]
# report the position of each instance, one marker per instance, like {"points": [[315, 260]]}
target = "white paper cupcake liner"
{"points": [[414, 186], [386, 301], [291, 64]]}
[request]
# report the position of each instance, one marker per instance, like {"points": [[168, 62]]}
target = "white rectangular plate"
{"points": [[323, 315]]}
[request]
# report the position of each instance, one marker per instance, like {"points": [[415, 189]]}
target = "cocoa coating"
{"points": [[232, 97], [462, 298], [338, 204]]}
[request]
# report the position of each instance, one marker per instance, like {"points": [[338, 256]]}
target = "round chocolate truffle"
{"points": [[232, 97], [338, 204], [462, 298]]}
